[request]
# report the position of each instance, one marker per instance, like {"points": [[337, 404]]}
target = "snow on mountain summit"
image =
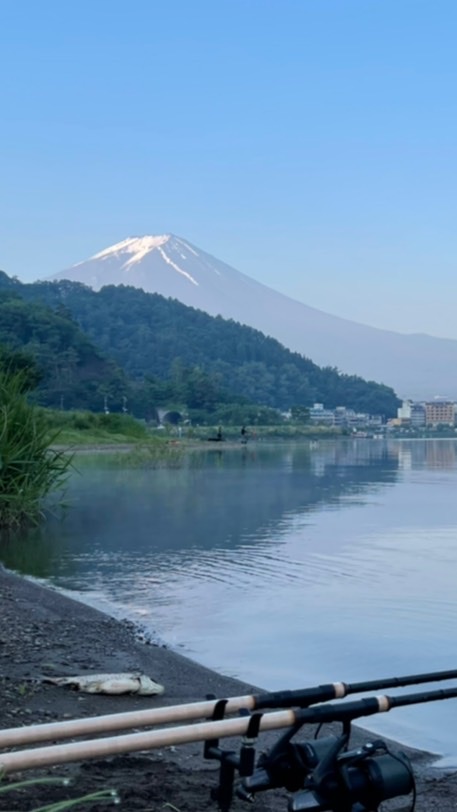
{"points": [[143, 258], [136, 247]]}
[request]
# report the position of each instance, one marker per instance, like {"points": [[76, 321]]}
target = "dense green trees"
{"points": [[171, 354], [70, 371]]}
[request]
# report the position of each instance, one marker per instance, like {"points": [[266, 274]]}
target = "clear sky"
{"points": [[312, 144]]}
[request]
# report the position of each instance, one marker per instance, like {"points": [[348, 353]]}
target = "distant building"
{"points": [[439, 412], [343, 418], [321, 416], [404, 412], [411, 414], [417, 415], [340, 416], [375, 421]]}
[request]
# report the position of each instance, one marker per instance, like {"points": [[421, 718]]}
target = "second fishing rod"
{"points": [[300, 698]]}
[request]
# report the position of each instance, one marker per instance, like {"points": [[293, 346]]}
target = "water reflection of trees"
{"points": [[221, 499]]}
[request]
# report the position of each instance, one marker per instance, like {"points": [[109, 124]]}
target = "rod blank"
{"points": [[56, 731], [16, 736], [78, 751]]}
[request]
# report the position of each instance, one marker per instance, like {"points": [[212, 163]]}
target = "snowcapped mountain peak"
{"points": [[135, 248], [137, 260]]}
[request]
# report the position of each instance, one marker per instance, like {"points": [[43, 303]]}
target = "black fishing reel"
{"points": [[322, 775], [324, 778], [360, 781]]}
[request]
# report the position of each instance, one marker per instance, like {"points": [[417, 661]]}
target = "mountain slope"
{"points": [[415, 365]]}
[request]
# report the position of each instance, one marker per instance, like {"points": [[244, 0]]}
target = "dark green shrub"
{"points": [[121, 424], [82, 420]]}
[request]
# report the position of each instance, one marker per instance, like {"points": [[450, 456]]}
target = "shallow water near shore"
{"points": [[282, 565]]}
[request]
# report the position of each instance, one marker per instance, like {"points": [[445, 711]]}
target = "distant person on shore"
{"points": [[244, 434]]}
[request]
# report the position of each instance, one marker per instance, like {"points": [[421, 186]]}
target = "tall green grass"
{"points": [[156, 453], [108, 795], [29, 468]]}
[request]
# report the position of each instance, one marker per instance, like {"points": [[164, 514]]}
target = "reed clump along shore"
{"points": [[30, 469]]}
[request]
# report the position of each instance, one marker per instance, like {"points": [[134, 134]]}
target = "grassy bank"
{"points": [[91, 429], [87, 430]]}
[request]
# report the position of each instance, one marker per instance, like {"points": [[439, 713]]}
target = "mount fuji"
{"points": [[417, 366]]}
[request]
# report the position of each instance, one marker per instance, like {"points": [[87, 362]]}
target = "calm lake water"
{"points": [[283, 565]]}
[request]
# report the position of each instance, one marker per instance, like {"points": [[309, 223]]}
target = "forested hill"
{"points": [[71, 372], [148, 335]]}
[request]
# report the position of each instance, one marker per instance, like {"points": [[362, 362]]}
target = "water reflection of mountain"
{"points": [[220, 499]]}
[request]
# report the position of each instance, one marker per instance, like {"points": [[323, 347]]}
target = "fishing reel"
{"points": [[325, 777], [322, 775]]}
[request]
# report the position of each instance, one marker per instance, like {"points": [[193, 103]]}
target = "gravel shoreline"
{"points": [[44, 633]]}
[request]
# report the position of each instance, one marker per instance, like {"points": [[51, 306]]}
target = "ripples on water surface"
{"points": [[284, 566]]}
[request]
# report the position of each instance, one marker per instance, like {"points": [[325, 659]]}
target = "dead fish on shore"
{"points": [[134, 683]]}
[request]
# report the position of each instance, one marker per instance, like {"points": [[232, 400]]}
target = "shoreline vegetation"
{"points": [[84, 430], [132, 443], [30, 469], [89, 428]]}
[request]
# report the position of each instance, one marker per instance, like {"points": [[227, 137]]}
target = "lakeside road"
{"points": [[45, 633]]}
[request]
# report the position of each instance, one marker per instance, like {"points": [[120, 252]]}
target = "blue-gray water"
{"points": [[284, 566]]}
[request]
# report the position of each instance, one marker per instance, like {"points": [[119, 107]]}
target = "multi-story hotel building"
{"points": [[439, 411]]}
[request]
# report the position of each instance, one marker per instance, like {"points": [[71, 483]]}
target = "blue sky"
{"points": [[311, 144]]}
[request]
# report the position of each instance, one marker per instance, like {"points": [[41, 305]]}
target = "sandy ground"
{"points": [[45, 633]]}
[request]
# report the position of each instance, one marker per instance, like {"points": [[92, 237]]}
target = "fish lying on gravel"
{"points": [[134, 683]]}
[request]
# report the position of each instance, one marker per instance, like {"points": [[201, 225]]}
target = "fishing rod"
{"points": [[301, 698], [340, 712]]}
